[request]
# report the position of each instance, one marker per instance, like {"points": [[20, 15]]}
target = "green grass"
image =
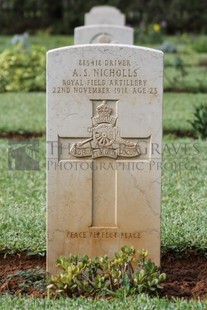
{"points": [[22, 112], [141, 302], [189, 59], [184, 225], [43, 39], [5, 42], [194, 81], [22, 205], [51, 42], [185, 40], [184, 198], [178, 109]]}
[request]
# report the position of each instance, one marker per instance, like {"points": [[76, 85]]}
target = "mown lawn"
{"points": [[42, 39], [178, 109], [194, 80], [141, 302], [22, 113]]}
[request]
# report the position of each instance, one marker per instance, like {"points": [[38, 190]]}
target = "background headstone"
{"points": [[103, 34], [104, 112], [104, 14]]}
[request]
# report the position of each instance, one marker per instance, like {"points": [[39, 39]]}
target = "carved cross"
{"points": [[104, 144]]}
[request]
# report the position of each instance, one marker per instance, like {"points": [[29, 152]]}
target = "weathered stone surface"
{"points": [[104, 113], [104, 14], [103, 34]]}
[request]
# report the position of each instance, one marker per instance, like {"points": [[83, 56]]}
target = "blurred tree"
{"points": [[63, 16]]}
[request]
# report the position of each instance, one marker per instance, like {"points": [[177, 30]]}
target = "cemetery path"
{"points": [[186, 275]]}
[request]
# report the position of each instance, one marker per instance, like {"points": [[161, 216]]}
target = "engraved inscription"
{"points": [[105, 76], [105, 140], [103, 235]]}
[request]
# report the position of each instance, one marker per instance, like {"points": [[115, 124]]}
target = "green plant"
{"points": [[199, 122], [181, 70], [168, 47], [107, 277], [149, 34], [180, 73], [22, 69]]}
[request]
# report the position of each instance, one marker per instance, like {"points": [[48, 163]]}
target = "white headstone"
{"points": [[104, 130], [103, 34], [104, 14]]}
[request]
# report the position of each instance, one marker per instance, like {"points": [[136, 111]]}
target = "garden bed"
{"points": [[186, 275]]}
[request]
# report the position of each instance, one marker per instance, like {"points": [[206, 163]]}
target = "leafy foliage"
{"points": [[199, 123], [181, 71], [149, 34], [63, 16], [107, 277], [22, 69], [168, 47]]}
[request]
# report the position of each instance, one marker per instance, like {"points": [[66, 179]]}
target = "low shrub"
{"points": [[199, 122], [22, 69], [149, 34], [103, 276], [168, 47]]}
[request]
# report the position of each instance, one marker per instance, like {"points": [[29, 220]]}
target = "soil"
{"points": [[186, 275], [20, 137]]}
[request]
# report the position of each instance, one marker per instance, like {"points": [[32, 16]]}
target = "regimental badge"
{"points": [[105, 138]]}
